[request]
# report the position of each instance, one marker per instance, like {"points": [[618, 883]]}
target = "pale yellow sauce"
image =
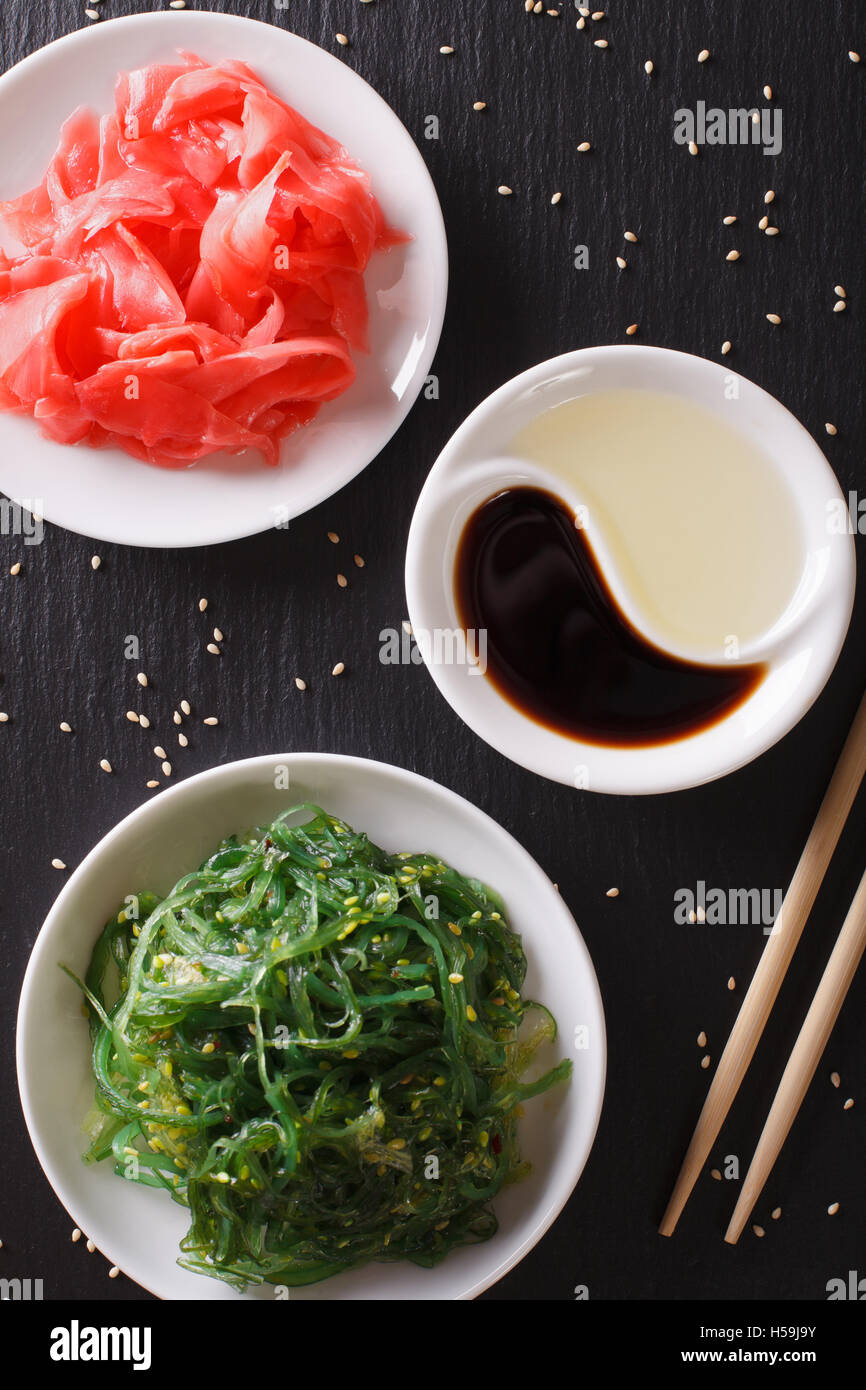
{"points": [[701, 529]]}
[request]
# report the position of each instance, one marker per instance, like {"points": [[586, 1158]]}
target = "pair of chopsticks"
{"points": [[761, 995]]}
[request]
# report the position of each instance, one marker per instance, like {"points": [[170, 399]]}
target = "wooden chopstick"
{"points": [[814, 1035], [774, 962]]}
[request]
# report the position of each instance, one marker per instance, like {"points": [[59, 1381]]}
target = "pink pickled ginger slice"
{"points": [[188, 277]]}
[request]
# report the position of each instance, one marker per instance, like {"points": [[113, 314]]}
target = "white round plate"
{"points": [[800, 650], [105, 493], [138, 1228]]}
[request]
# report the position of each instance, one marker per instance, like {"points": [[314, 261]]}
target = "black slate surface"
{"points": [[515, 299]]}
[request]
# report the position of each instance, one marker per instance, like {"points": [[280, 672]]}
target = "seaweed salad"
{"points": [[313, 1045]]}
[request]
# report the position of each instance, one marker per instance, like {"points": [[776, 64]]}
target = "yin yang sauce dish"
{"points": [[690, 513], [636, 539]]}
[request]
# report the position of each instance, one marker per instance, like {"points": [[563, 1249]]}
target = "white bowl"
{"points": [[139, 1228], [800, 651], [109, 495]]}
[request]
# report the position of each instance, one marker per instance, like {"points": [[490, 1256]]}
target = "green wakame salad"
{"points": [[313, 1045]]}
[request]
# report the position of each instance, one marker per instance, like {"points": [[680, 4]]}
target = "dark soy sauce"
{"points": [[558, 645]]}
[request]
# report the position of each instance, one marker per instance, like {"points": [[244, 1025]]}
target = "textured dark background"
{"points": [[515, 299]]}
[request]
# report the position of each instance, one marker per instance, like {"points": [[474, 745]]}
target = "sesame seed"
{"points": [[57, 864], [584, 147], [581, 23], [90, 1247], [693, 917], [557, 197], [771, 231], [715, 1175], [16, 568], [702, 1038], [648, 66], [114, 1271], [105, 765], [66, 728], [631, 330], [763, 223], [152, 783], [701, 914], [729, 220], [732, 256], [703, 55], [213, 649], [768, 93], [849, 1104], [342, 40], [835, 1079], [726, 347], [840, 306], [185, 707], [769, 196], [359, 561], [342, 581], [755, 118], [183, 740], [446, 49], [166, 768], [4, 717], [211, 719], [630, 236], [705, 1062], [455, 978], [407, 627], [92, 14], [839, 290], [333, 538], [537, 7], [479, 106], [175, 718], [599, 43], [338, 669], [504, 190], [217, 635], [597, 15], [301, 684], [529, 6], [141, 678], [612, 893], [773, 318], [855, 57], [833, 1208], [202, 605], [95, 562], [76, 1234], [831, 429], [776, 1213], [583, 11], [759, 1231], [732, 984], [132, 716], [159, 751], [144, 721], [621, 262], [693, 149], [177, 4]]}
